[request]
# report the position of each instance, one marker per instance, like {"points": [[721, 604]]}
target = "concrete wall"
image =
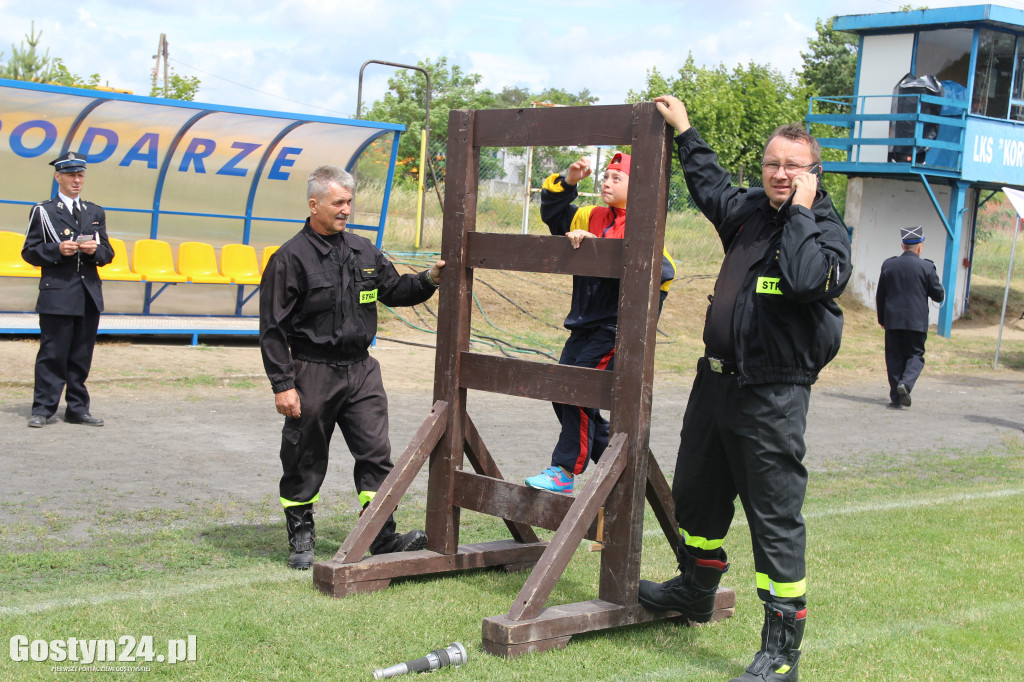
{"points": [[876, 209], [884, 61]]}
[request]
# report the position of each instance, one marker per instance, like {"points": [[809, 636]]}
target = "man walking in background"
{"points": [[906, 283]]}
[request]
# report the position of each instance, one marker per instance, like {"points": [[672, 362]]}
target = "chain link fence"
{"points": [[506, 203]]}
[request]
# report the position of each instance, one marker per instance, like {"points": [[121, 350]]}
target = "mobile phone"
{"points": [[84, 238]]}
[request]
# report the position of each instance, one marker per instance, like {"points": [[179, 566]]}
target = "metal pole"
{"points": [[425, 136], [163, 39], [1006, 294], [528, 173]]}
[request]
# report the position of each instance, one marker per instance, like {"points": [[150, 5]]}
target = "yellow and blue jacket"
{"points": [[595, 300]]}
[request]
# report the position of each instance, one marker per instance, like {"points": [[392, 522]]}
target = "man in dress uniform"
{"points": [[901, 300], [67, 238]]}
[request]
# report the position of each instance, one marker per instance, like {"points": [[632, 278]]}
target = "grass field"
{"points": [[904, 586], [914, 558]]}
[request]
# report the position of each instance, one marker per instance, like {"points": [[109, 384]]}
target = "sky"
{"points": [[304, 56]]}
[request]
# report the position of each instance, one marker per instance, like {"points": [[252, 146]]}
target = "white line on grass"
{"points": [[261, 574], [886, 506], [899, 630], [274, 574]]}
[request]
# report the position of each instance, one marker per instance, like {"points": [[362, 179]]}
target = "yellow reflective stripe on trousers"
{"points": [[698, 542], [797, 589], [285, 502], [366, 496]]}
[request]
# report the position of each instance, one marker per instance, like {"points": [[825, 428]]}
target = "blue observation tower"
{"points": [[933, 130]]}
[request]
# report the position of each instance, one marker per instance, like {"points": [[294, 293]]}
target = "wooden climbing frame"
{"points": [[627, 472]]}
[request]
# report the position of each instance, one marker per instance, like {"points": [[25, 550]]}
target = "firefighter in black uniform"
{"points": [[901, 301], [772, 325], [318, 315], [67, 239]]}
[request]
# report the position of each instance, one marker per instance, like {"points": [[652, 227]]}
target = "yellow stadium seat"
{"points": [[267, 252], [118, 269], [197, 261], [238, 261], [11, 262], [152, 259]]}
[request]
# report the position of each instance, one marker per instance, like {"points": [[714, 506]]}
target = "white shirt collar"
{"points": [[68, 200]]}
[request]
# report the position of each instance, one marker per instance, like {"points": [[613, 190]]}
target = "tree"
{"points": [[450, 88], [405, 103], [515, 98], [735, 111], [61, 76], [830, 65], [546, 160], [27, 64], [176, 87]]}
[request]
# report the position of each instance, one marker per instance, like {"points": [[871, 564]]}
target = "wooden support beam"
{"points": [[482, 462], [513, 501], [542, 127], [454, 306], [534, 253], [539, 380], [339, 579], [659, 495], [639, 289], [563, 545], [395, 486], [555, 625]]}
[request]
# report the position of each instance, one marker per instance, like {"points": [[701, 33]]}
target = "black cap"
{"points": [[911, 235], [69, 163]]}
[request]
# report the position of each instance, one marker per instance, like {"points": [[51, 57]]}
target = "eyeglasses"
{"points": [[790, 168]]}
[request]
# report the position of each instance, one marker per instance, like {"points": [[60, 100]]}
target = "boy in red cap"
{"points": [[594, 312]]}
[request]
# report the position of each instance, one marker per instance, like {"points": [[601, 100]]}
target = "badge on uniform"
{"points": [[768, 285]]}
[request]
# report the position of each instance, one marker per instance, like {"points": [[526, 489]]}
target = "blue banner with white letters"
{"points": [[175, 170], [994, 151]]}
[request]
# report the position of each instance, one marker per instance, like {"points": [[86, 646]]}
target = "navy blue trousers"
{"points": [[904, 359], [66, 344], [584, 433]]}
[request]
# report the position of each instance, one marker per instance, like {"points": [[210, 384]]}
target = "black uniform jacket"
{"points": [[904, 287], [66, 280], [786, 322], [319, 303]]}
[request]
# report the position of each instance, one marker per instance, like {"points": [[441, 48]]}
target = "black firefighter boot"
{"points": [[779, 656], [691, 593], [388, 540], [301, 535]]}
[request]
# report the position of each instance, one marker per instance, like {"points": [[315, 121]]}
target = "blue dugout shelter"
{"points": [[924, 156], [180, 171]]}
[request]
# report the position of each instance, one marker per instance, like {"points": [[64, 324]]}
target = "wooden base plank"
{"points": [[514, 650], [337, 579], [555, 625], [566, 620]]}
